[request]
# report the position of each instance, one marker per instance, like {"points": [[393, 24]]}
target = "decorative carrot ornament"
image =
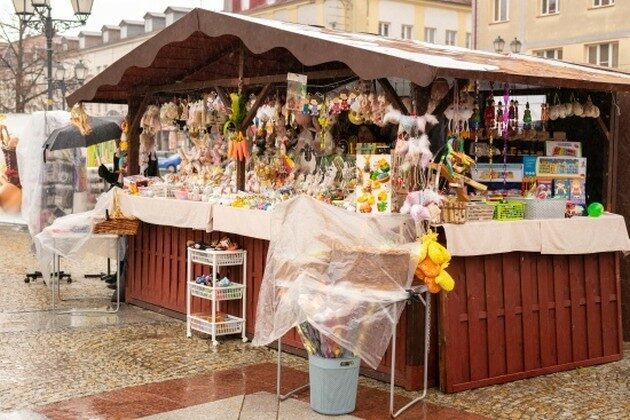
{"points": [[238, 148]]}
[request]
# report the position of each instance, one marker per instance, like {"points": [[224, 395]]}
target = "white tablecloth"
{"points": [[168, 211], [578, 235], [198, 215], [245, 222]]}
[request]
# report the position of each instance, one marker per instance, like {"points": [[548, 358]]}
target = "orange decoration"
{"points": [[432, 286], [429, 268]]}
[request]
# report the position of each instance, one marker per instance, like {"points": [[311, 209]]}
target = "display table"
{"points": [[578, 235], [168, 211]]}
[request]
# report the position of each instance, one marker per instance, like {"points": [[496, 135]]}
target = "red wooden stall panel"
{"points": [[157, 272], [517, 315]]}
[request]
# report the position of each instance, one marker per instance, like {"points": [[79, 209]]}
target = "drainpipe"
{"points": [[474, 25]]}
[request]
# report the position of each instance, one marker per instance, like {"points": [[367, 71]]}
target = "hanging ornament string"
{"points": [[504, 133], [476, 120]]}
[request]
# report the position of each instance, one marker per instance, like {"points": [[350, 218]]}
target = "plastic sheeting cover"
{"points": [[71, 236], [33, 130], [345, 273]]}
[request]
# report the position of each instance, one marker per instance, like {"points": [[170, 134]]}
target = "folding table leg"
{"points": [[279, 377], [427, 342]]}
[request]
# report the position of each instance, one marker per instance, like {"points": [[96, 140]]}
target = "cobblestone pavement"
{"points": [[46, 358]]}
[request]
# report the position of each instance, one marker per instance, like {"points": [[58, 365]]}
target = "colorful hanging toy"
{"points": [[433, 261], [237, 143]]}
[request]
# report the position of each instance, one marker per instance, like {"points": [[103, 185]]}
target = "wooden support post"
{"points": [[392, 96], [252, 112], [136, 108], [240, 164], [223, 95], [448, 98], [421, 98], [610, 198], [602, 126]]}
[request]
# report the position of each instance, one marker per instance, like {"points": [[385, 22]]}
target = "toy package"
{"points": [[578, 191], [561, 188]]}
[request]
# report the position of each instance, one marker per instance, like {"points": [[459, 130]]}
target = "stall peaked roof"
{"points": [[203, 45]]}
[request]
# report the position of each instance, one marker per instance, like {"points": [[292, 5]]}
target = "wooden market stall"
{"points": [[512, 315]]}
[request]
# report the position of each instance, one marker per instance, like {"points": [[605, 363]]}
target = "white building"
{"points": [[97, 50]]}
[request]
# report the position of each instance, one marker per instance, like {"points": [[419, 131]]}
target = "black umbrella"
{"points": [[69, 137]]}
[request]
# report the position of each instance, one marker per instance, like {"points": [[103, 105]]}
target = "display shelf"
{"points": [[216, 294], [203, 323], [232, 292], [217, 258]]}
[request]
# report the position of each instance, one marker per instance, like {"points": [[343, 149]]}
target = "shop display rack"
{"points": [[209, 323]]}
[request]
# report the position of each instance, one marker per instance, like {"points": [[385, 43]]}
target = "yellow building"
{"points": [[581, 31], [439, 21]]}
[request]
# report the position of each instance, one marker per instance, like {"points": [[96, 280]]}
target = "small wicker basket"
{"points": [[454, 212], [476, 212], [117, 223]]}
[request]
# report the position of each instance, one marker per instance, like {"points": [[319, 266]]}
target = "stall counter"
{"points": [[521, 309]]}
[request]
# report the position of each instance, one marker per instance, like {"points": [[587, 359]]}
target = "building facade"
{"points": [[581, 31], [437, 21], [97, 50]]}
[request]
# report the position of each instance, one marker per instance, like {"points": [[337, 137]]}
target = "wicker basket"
{"points": [[454, 212], [117, 223], [476, 212]]}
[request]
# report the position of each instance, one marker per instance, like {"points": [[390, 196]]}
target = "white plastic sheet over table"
{"points": [[577, 235]]}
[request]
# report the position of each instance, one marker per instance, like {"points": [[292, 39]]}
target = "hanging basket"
{"points": [[117, 223]]}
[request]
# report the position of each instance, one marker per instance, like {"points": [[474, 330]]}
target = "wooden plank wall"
{"points": [[517, 315], [156, 276], [621, 133]]}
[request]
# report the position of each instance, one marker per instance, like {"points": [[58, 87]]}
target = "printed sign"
{"points": [[497, 172], [296, 91], [563, 148], [560, 167], [529, 165], [374, 186]]}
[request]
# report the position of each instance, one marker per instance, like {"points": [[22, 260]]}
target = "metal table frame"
{"points": [[56, 290], [426, 301]]}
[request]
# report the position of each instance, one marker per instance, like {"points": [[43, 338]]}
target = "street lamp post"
{"points": [[80, 73], [515, 45], [38, 15], [499, 44]]}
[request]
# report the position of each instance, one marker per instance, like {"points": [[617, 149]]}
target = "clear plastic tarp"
{"points": [[345, 273], [33, 131], [71, 236]]}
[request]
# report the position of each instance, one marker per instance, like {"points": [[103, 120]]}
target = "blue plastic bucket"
{"points": [[333, 384]]}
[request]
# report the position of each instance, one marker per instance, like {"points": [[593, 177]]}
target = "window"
{"points": [[406, 31], [450, 38], [383, 28], [551, 53], [468, 40], [501, 10], [549, 7], [602, 3], [603, 54], [429, 34]]}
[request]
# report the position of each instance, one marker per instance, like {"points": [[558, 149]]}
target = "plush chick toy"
{"points": [[433, 261]]}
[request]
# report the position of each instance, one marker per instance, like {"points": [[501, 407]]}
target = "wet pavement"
{"points": [[69, 366]]}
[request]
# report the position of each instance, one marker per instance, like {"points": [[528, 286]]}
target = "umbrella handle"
{"points": [[44, 153]]}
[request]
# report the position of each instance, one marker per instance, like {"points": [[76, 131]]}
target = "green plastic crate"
{"points": [[509, 210]]}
